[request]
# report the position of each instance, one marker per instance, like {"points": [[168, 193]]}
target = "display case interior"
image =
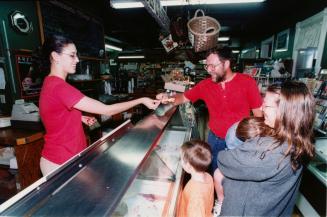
{"points": [[155, 190]]}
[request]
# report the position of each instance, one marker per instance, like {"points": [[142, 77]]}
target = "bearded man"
{"points": [[229, 97]]}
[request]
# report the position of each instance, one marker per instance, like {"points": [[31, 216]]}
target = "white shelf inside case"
{"points": [[145, 198]]}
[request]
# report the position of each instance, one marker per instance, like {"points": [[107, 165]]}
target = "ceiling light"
{"points": [[138, 4], [173, 3], [131, 57], [223, 38], [281, 50], [200, 2], [111, 47], [235, 51], [123, 5]]}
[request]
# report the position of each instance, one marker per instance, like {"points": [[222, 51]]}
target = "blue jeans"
{"points": [[216, 144]]}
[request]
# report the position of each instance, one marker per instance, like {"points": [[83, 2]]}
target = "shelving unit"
{"points": [[200, 73], [260, 70], [243, 62], [320, 124]]}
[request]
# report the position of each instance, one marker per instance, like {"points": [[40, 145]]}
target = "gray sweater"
{"points": [[256, 186]]}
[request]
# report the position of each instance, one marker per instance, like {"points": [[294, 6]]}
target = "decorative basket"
{"points": [[203, 31]]}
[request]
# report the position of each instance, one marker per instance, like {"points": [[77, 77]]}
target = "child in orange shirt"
{"points": [[198, 194]]}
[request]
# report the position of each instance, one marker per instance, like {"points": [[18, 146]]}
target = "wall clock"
{"points": [[20, 22]]}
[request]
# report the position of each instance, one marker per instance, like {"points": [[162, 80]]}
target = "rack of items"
{"points": [[320, 123], [265, 72]]}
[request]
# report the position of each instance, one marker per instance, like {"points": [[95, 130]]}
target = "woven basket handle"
{"points": [[197, 11], [208, 30]]}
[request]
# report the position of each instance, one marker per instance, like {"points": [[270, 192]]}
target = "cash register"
{"points": [[25, 115]]}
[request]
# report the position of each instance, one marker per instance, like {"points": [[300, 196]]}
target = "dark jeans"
{"points": [[217, 144]]}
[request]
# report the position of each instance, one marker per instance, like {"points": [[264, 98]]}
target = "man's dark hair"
{"points": [[224, 53]]}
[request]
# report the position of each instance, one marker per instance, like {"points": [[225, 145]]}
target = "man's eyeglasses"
{"points": [[72, 55], [269, 107], [211, 66]]}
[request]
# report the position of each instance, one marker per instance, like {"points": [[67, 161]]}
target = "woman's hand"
{"points": [[150, 103], [89, 121]]}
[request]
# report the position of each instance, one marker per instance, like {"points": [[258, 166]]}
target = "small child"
{"points": [[198, 194], [237, 134]]}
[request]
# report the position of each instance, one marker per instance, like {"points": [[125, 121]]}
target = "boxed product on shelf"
{"points": [[176, 81]]}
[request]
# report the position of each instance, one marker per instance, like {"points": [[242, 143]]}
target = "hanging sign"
{"points": [[156, 10]]}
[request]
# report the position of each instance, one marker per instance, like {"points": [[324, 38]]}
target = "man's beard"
{"points": [[220, 78]]}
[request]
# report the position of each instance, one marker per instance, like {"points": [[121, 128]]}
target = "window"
{"points": [[267, 47], [282, 40]]}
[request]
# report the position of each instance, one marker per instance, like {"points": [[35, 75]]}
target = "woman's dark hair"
{"points": [[41, 56], [294, 121]]}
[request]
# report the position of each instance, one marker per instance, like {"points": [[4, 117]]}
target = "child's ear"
{"points": [[189, 167]]}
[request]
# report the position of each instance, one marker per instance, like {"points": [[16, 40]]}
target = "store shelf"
{"points": [[320, 174], [320, 131]]}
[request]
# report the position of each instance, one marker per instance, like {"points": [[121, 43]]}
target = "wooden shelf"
{"points": [[92, 58]]}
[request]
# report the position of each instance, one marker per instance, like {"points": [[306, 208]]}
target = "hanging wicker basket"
{"points": [[203, 31]]}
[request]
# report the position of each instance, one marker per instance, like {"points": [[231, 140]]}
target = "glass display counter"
{"points": [[155, 190], [319, 165], [312, 198], [132, 171]]}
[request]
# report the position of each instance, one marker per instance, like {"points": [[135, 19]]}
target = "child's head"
{"points": [[197, 154], [250, 127], [247, 128]]}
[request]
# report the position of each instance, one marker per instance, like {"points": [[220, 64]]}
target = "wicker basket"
{"points": [[203, 31]]}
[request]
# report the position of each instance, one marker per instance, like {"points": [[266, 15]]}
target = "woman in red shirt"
{"points": [[61, 105]]}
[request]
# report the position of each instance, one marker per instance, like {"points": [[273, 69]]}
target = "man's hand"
{"points": [[89, 121], [165, 98]]}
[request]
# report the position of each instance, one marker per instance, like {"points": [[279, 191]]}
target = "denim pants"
{"points": [[216, 144]]}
